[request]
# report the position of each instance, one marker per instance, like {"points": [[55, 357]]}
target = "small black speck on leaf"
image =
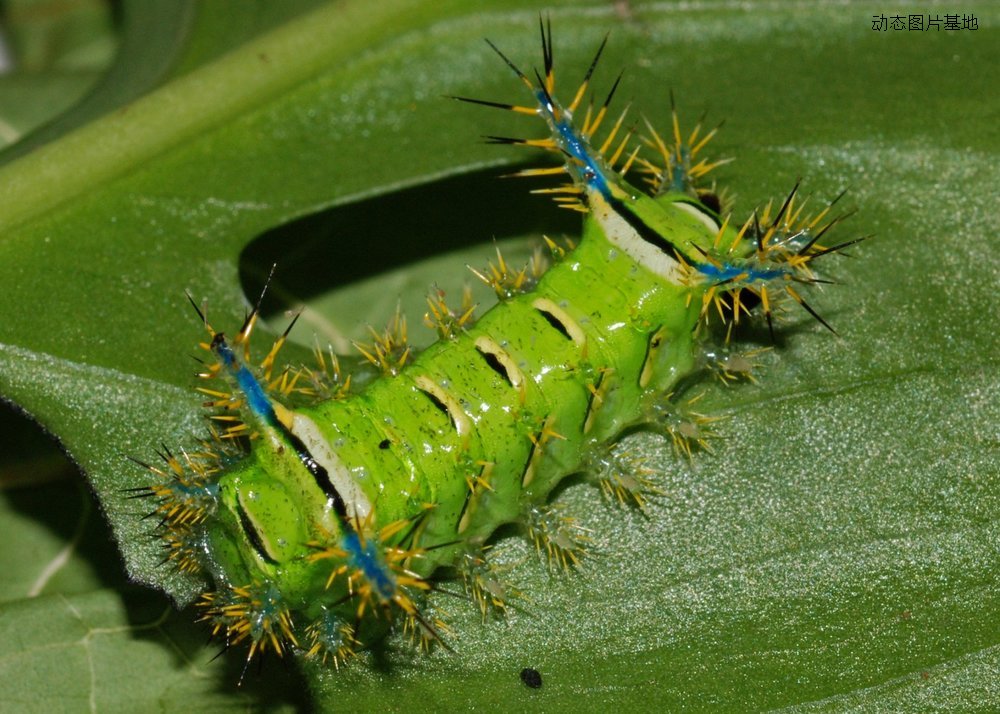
{"points": [[531, 677]]}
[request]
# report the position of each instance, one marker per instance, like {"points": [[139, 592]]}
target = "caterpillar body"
{"points": [[320, 524]]}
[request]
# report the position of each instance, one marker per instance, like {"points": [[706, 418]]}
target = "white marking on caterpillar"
{"points": [[575, 332], [463, 425], [704, 218], [619, 232], [357, 503]]}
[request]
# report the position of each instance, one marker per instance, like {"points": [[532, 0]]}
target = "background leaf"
{"points": [[838, 550]]}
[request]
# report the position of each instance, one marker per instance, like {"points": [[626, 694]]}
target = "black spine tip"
{"points": [[545, 27], [483, 102], [788, 202], [504, 57], [597, 58], [291, 324], [614, 88], [816, 315], [198, 310]]}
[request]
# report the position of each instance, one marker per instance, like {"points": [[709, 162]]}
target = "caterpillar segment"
{"points": [[484, 583], [389, 348], [325, 380], [448, 321], [507, 281], [623, 477], [338, 516], [732, 366], [185, 495], [677, 165], [689, 431], [762, 263]]}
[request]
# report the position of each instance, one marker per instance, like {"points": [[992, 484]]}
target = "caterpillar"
{"points": [[322, 514]]}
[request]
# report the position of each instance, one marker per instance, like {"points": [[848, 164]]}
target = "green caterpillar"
{"points": [[319, 525]]}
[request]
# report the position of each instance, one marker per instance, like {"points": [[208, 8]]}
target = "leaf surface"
{"points": [[838, 550]]}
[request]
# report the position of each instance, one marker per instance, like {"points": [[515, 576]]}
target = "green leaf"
{"points": [[159, 41], [49, 58], [838, 550]]}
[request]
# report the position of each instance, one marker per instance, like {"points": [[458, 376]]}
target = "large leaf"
{"points": [[838, 550]]}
